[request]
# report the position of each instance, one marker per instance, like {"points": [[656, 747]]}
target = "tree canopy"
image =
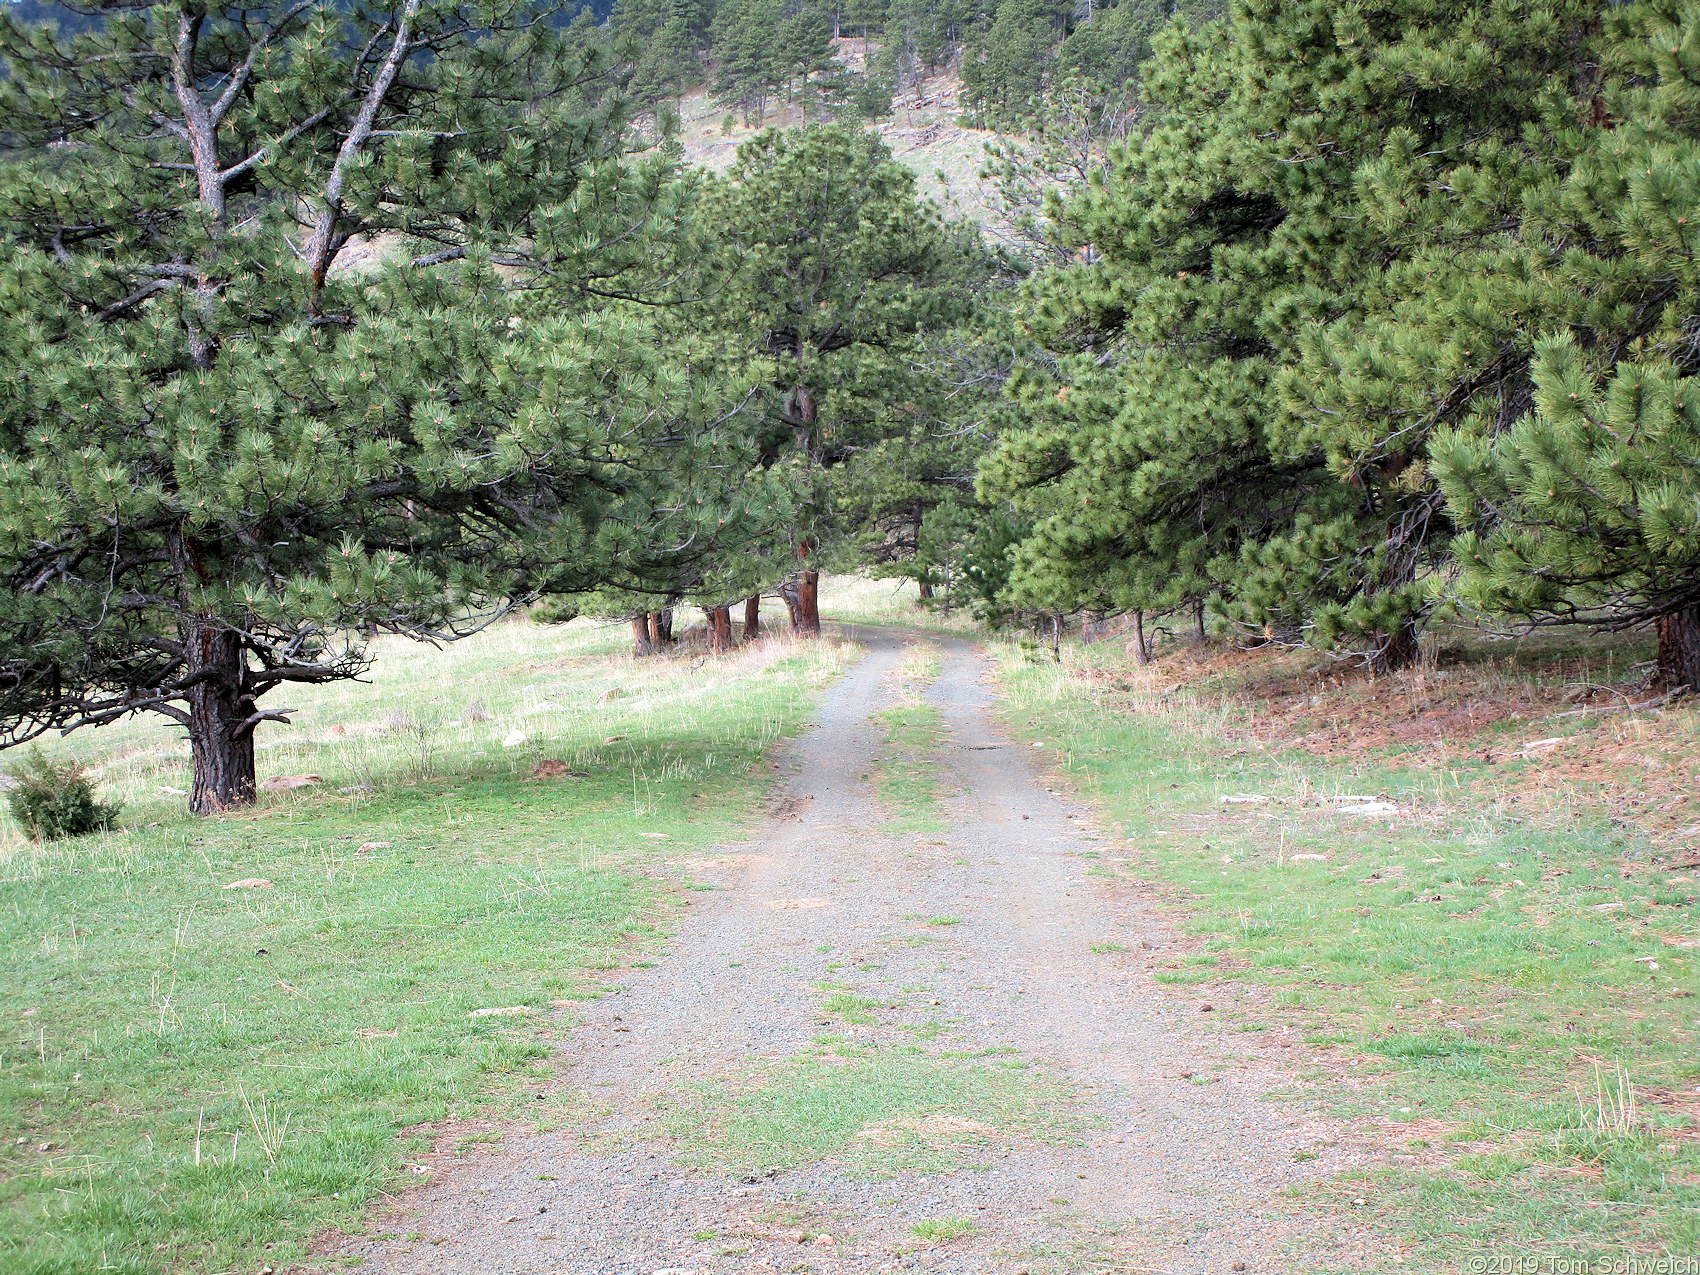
{"points": [[272, 379]]}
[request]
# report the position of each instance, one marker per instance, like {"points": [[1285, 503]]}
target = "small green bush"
{"points": [[52, 801]]}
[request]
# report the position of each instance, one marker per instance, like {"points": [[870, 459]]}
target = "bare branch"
{"points": [[319, 247]]}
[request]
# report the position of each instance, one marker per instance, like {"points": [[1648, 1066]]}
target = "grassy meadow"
{"points": [[1477, 948], [196, 1073]]}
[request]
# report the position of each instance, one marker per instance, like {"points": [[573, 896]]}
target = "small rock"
{"points": [[165, 790], [356, 788], [503, 1011], [514, 740], [799, 1237], [1205, 1008], [249, 883], [46, 1146], [373, 845], [824, 1241], [613, 739], [1237, 1266], [612, 693]]}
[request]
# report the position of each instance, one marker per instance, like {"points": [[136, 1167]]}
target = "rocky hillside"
{"points": [[922, 132]]}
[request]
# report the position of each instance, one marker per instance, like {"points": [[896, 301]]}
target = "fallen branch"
{"points": [[1656, 702]]}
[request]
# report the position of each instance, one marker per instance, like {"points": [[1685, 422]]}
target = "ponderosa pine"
{"points": [[1585, 509], [828, 268], [1272, 312], [273, 374]]}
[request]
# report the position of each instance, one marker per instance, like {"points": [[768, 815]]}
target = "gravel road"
{"points": [[1146, 1145]]}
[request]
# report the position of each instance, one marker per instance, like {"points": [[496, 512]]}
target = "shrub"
{"points": [[52, 801]]}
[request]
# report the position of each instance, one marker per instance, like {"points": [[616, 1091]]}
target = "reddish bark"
{"points": [[719, 628], [661, 627], [805, 616], [752, 617], [1679, 649], [642, 644], [926, 591]]}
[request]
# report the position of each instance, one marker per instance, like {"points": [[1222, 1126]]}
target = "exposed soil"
{"points": [[1153, 1146]]}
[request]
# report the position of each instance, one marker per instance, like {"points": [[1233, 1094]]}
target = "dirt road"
{"points": [[905, 1043]]}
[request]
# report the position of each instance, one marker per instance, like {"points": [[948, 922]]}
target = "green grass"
{"points": [[193, 1076], [906, 770], [850, 1007], [875, 1109], [1482, 972], [942, 1230], [859, 600]]}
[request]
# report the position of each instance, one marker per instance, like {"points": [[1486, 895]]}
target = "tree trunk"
{"points": [[752, 617], [808, 604], [788, 595], [1394, 651], [1141, 652], [719, 628], [926, 591], [221, 741], [642, 643], [805, 615], [661, 627], [1198, 619], [1679, 649]]}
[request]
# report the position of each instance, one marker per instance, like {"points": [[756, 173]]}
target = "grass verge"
{"points": [[1497, 996], [195, 1073]]}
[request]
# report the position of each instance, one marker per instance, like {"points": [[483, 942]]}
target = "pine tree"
{"points": [[911, 494], [805, 50], [1284, 249], [228, 448], [748, 65], [1005, 70], [831, 262], [1586, 509]]}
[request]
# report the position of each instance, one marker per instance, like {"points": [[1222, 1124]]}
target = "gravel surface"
{"points": [[1133, 1166]]}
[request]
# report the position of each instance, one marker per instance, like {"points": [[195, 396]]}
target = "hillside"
{"points": [[922, 132]]}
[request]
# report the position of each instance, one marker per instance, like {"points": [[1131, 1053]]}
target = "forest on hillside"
{"points": [[1322, 324]]}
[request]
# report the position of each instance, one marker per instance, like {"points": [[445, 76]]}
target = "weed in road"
{"points": [[943, 1230]]}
